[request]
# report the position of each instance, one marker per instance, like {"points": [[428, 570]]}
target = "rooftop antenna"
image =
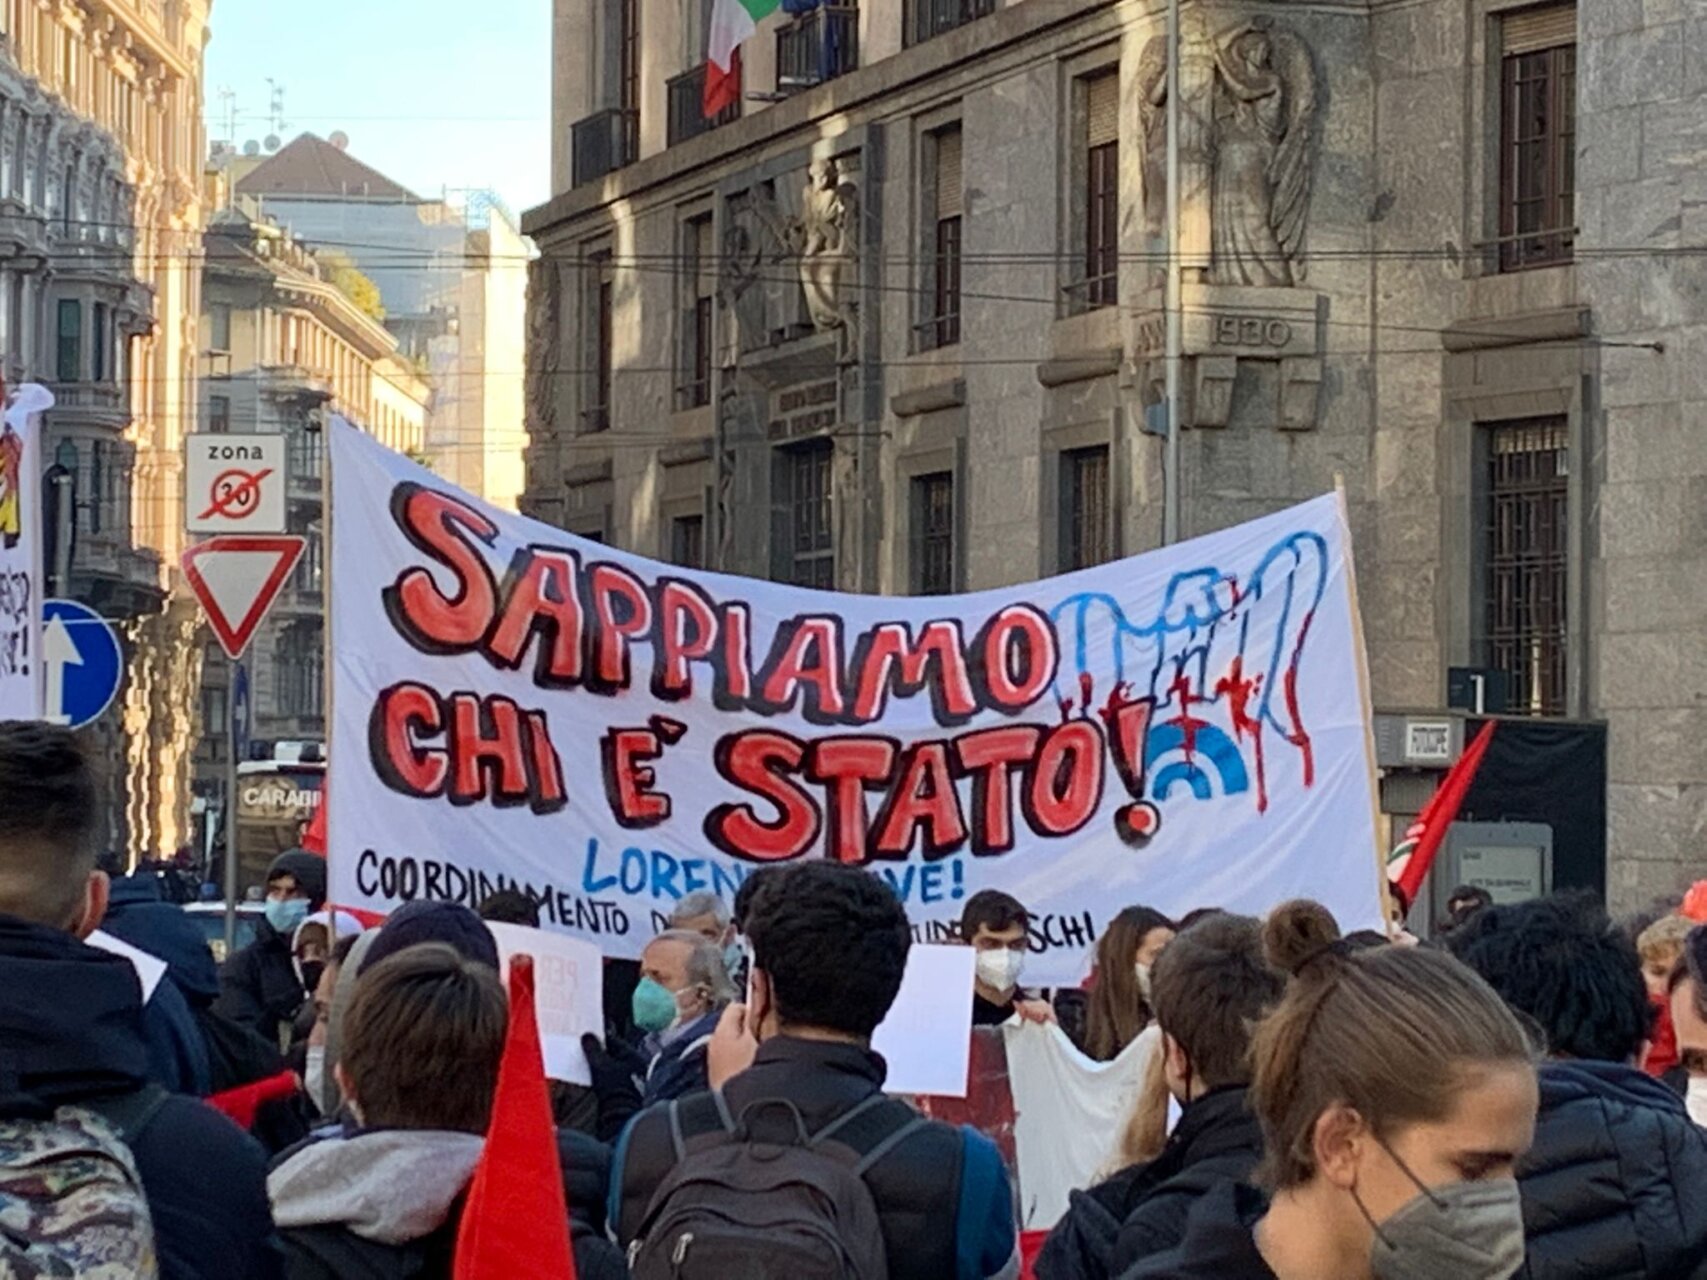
{"points": [[275, 114]]}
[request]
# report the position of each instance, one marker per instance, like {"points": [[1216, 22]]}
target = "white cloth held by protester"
{"points": [[1069, 1112]]}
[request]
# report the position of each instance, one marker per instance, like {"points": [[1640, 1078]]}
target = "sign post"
{"points": [[237, 725]]}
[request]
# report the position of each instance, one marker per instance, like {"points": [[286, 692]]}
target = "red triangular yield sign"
{"points": [[237, 578]]}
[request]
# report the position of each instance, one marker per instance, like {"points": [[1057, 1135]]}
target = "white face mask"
{"points": [[1696, 1099], [1143, 971], [999, 970], [314, 1074]]}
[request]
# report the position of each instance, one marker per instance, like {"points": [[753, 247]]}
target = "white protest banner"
{"points": [[568, 994], [516, 707], [21, 553], [927, 1037]]}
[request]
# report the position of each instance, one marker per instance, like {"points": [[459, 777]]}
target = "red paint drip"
{"points": [[1181, 689], [1239, 691]]}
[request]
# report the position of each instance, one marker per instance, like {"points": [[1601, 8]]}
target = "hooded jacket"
{"points": [[177, 1050], [1218, 1243], [1142, 1210], [260, 987], [1613, 1187], [384, 1204], [71, 1031]]}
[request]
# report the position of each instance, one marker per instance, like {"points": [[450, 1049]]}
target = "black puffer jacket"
{"points": [[1142, 1210], [1615, 1187], [1218, 1243]]}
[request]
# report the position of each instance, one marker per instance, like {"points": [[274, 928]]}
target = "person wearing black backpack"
{"points": [[796, 1164], [74, 1059]]}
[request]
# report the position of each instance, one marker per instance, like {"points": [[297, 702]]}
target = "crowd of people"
{"points": [[1517, 1096]]}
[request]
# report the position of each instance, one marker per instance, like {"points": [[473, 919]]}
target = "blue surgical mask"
{"points": [[654, 1005], [284, 914], [734, 956]]}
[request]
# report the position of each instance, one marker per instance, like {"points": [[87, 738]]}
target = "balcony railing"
{"points": [[928, 18], [687, 113], [817, 46], [603, 143]]}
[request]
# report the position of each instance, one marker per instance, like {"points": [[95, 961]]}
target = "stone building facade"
{"points": [[100, 221], [285, 348], [895, 323]]}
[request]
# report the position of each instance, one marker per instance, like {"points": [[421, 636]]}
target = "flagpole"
{"points": [[1171, 469]]}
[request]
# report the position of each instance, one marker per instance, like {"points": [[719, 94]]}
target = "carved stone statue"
{"points": [[828, 234], [1249, 108]]}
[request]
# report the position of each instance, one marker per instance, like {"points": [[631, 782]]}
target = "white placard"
{"points": [[515, 707], [568, 994], [149, 968], [21, 597], [927, 1037], [234, 484]]}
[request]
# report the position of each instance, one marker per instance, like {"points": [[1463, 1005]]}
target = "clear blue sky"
{"points": [[432, 94]]}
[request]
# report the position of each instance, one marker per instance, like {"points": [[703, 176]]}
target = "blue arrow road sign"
{"points": [[240, 711], [82, 660]]}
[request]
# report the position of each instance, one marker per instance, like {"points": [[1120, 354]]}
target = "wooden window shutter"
{"points": [[1531, 30], [1102, 109], [948, 194]]}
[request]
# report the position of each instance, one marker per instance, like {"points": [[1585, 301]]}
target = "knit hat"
{"points": [[310, 873], [447, 922]]}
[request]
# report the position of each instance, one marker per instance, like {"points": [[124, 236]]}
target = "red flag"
{"points": [[1440, 812], [722, 88], [516, 1223], [243, 1102], [314, 838]]}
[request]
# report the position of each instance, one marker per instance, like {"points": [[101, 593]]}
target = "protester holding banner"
{"points": [[1396, 1093], [80, 1125], [1613, 1187], [996, 925], [1120, 994]]}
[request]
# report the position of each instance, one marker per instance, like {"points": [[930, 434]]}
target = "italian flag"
{"points": [[732, 21]]}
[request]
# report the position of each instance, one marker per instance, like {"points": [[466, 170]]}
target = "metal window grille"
{"points": [[1524, 540], [1085, 519], [929, 18], [811, 551], [933, 534], [941, 328]]}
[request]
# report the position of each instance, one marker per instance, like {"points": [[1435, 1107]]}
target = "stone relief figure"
{"points": [[743, 308], [828, 235], [820, 241], [1250, 104], [544, 302]]}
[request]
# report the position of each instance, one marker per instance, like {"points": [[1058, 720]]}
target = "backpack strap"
{"points": [[696, 1116], [872, 1129], [130, 1113]]}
